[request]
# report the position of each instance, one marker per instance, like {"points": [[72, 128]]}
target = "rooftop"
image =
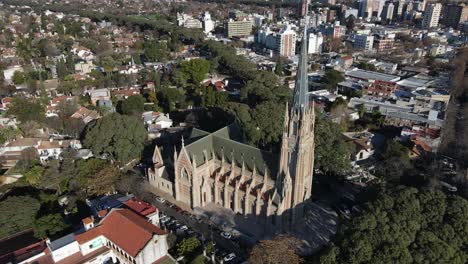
{"points": [[371, 75]]}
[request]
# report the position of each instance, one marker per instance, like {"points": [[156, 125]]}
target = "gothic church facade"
{"points": [[219, 168]]}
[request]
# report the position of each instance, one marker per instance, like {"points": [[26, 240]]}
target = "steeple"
{"points": [[301, 100]]}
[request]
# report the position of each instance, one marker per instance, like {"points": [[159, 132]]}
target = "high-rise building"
{"points": [[315, 43], [239, 28], [286, 42], [208, 24], [364, 42], [431, 16], [454, 15], [304, 7], [387, 12]]}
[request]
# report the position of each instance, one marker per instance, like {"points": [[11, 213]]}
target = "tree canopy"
{"points": [[404, 226], [195, 70], [281, 249], [18, 213], [332, 153], [25, 109], [119, 136], [134, 104]]}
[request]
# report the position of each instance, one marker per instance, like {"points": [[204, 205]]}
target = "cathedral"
{"points": [[219, 168]]}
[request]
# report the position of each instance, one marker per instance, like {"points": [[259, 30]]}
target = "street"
{"points": [[209, 232]]}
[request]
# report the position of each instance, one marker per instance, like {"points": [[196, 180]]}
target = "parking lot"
{"points": [[183, 225]]}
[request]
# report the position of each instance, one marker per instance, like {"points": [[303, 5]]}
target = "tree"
{"points": [[34, 175], [132, 105], [196, 69], [332, 78], [18, 213], [332, 153], [395, 161], [404, 225], [187, 246], [25, 109], [119, 136], [170, 98], [279, 67], [49, 225], [281, 249], [18, 78]]}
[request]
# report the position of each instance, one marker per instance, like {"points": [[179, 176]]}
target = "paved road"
{"points": [[203, 228]]}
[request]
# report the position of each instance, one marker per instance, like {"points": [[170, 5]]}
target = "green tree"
{"points": [[49, 225], [170, 98], [395, 161], [400, 226], [34, 175], [332, 78], [332, 153], [187, 246], [18, 78], [119, 136], [18, 213], [195, 69], [132, 105], [25, 109]]}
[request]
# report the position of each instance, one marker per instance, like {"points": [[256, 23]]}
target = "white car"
{"points": [[160, 199], [183, 228], [164, 220], [226, 235], [229, 257]]}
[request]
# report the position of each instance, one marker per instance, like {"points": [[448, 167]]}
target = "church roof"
{"points": [[228, 141]]}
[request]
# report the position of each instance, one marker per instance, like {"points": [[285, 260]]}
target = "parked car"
{"points": [[229, 257], [183, 228], [160, 199], [226, 235], [164, 220]]}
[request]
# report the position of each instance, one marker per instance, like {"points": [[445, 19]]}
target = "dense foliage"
{"points": [[281, 249], [119, 136], [332, 153], [405, 226], [18, 213]]}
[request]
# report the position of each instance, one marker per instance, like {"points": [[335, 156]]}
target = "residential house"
{"points": [[52, 149], [98, 94], [12, 152], [86, 115], [363, 148], [52, 108]]}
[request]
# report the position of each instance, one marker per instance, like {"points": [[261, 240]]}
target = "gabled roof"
{"points": [[126, 229], [228, 142]]}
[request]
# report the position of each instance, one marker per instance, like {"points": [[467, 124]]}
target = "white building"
{"points": [[184, 20], [364, 42], [122, 236], [208, 24], [431, 16], [315, 43], [286, 42]]}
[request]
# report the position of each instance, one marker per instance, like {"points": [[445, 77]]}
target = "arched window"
{"points": [[184, 174]]}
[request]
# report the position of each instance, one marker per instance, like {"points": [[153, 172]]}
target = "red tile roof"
{"points": [[140, 207], [124, 228]]}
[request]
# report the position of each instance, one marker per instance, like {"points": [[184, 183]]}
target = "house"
{"points": [[125, 93], [163, 121], [363, 145], [5, 103], [98, 94], [52, 149], [84, 67], [122, 236], [12, 152], [52, 108], [86, 115]]}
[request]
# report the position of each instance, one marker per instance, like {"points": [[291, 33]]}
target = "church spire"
{"points": [[301, 100]]}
